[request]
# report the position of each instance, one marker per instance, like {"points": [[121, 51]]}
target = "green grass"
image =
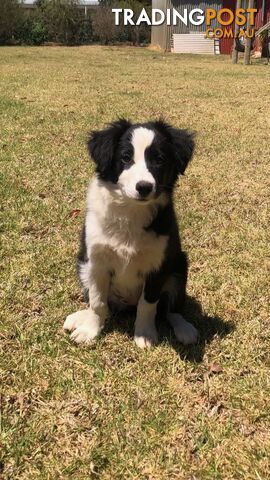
{"points": [[112, 411]]}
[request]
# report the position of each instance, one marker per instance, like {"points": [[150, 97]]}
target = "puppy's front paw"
{"points": [[184, 331], [85, 334], [84, 325], [146, 338], [74, 320]]}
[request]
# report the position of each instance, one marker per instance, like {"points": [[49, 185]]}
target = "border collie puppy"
{"points": [[130, 248]]}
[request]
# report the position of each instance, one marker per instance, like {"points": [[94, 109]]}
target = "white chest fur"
{"points": [[116, 236]]}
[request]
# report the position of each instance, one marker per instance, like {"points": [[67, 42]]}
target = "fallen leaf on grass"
{"points": [[247, 430], [216, 409], [74, 213], [26, 138], [215, 368]]}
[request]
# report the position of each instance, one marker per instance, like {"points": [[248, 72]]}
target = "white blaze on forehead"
{"points": [[137, 172], [141, 139]]}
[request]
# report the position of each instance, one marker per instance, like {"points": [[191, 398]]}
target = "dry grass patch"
{"points": [[112, 411]]}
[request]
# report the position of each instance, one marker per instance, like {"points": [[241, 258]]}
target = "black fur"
{"points": [[175, 262], [102, 146], [166, 158]]}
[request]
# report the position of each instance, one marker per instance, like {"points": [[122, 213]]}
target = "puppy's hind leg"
{"points": [[175, 289], [184, 331]]}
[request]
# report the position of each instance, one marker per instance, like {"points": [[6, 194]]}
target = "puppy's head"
{"points": [[141, 161]]}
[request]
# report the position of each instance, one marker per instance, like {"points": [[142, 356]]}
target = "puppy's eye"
{"points": [[126, 160], [159, 160]]}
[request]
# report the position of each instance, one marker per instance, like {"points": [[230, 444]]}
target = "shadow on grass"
{"points": [[209, 327]]}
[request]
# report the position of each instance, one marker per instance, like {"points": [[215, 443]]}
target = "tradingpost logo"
{"points": [[224, 17]]}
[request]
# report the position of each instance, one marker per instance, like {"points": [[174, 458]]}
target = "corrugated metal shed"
{"points": [[192, 43], [260, 18], [162, 35], [226, 44]]}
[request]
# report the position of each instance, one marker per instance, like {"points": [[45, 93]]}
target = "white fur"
{"points": [[117, 241], [141, 139], [145, 327], [84, 325]]}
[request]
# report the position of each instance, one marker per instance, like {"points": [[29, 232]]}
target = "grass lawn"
{"points": [[112, 411]]}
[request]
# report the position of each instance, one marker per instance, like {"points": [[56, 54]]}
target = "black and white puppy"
{"points": [[130, 250]]}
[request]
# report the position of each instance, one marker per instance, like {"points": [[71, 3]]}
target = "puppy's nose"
{"points": [[144, 188]]}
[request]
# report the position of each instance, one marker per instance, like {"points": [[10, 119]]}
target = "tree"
{"points": [[137, 33], [248, 39], [103, 23], [236, 33], [11, 16], [62, 19]]}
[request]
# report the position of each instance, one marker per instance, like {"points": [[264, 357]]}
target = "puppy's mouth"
{"points": [[143, 199], [147, 199]]}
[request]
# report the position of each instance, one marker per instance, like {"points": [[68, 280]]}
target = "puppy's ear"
{"points": [[183, 145], [102, 145], [181, 141]]}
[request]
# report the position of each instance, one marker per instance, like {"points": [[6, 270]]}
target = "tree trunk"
{"points": [[268, 45], [248, 40], [236, 32]]}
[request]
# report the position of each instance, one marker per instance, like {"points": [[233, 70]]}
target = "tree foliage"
{"points": [[11, 17], [104, 28], [63, 21], [104, 23], [136, 33], [61, 18]]}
